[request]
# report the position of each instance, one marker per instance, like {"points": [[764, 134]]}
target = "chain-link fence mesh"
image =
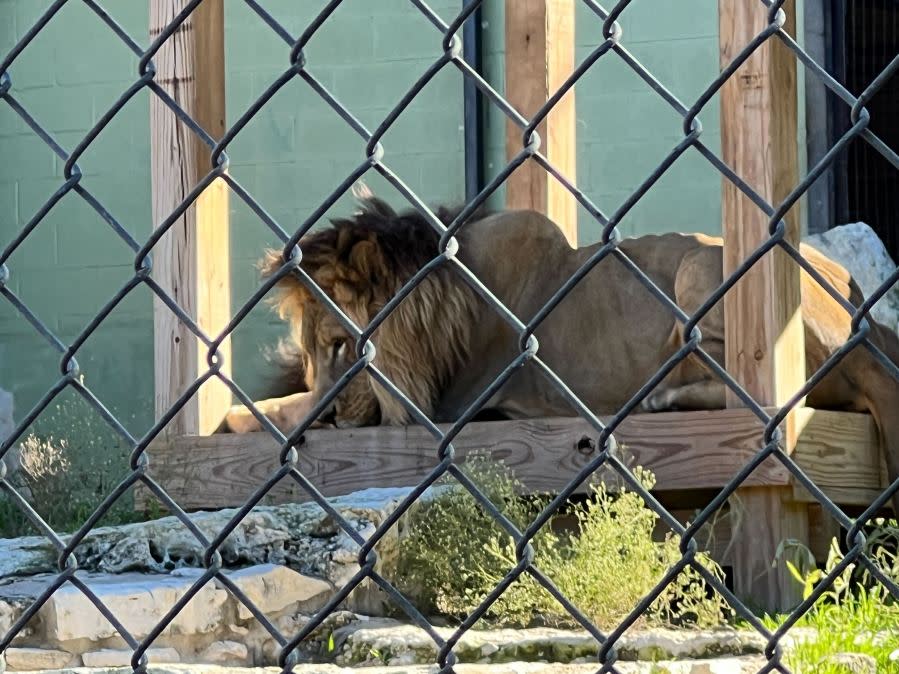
{"points": [[612, 47]]}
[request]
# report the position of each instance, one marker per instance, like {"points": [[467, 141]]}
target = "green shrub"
{"points": [[856, 615], [452, 554]]}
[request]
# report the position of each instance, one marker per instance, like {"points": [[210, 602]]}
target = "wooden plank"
{"points": [[191, 262], [764, 517], [839, 451], [539, 58], [685, 450], [764, 347], [688, 452]]}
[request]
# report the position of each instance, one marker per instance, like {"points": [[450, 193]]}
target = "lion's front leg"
{"points": [[285, 413]]}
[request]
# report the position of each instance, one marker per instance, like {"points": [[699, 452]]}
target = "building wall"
{"points": [[73, 263], [296, 150]]}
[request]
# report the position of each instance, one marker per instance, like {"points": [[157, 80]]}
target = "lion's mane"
{"points": [[361, 262]]}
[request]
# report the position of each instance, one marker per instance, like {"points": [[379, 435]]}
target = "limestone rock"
{"points": [[15, 598], [720, 666], [225, 653], [69, 619], [661, 643], [273, 588], [300, 536], [7, 616], [139, 601], [25, 556], [408, 645], [108, 657], [858, 248], [32, 659]]}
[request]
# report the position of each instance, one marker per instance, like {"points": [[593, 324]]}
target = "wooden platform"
{"points": [[685, 450]]}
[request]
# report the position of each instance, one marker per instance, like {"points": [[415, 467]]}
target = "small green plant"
{"points": [[453, 554], [383, 658], [856, 614]]}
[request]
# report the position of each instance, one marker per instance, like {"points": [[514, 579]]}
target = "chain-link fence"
{"points": [[611, 47]]}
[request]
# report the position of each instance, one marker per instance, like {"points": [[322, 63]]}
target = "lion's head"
{"points": [[361, 263]]}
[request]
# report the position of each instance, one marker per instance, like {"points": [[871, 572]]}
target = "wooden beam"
{"points": [[539, 58], [839, 451], [685, 450], [763, 324], [191, 262]]}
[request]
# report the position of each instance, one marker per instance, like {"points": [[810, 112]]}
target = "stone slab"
{"points": [[24, 659]]}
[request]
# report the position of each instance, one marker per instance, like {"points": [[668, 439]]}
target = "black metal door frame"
{"points": [[838, 118]]}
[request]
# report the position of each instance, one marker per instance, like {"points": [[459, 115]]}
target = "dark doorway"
{"points": [[865, 37]]}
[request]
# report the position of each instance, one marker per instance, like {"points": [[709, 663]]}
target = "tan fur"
{"points": [[443, 345]]}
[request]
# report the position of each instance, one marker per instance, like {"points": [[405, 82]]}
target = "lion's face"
{"points": [[328, 353]]}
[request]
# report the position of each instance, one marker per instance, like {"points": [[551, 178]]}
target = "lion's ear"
{"points": [[367, 260]]}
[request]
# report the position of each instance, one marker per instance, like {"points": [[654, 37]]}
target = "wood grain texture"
{"points": [[766, 517], [764, 344], [840, 452], [191, 261], [714, 537], [686, 450], [539, 58], [763, 324]]}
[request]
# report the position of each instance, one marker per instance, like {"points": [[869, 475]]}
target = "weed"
{"points": [[857, 614]]}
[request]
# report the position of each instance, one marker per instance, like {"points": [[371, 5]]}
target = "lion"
{"points": [[444, 344]]}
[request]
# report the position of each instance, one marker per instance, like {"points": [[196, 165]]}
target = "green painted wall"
{"points": [[295, 152], [73, 262]]}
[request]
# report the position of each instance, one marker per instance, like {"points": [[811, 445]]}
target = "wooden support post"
{"points": [[191, 262], [539, 57], [763, 323]]}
